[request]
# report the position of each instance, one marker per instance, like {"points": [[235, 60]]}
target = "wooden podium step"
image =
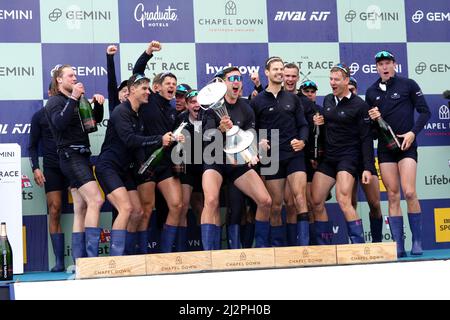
{"points": [[305, 256], [178, 262], [238, 259], [366, 253], [243, 259], [108, 267]]}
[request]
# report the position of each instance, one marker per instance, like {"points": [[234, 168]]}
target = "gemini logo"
{"points": [[372, 16], [417, 16], [350, 16], [16, 14], [421, 67], [434, 67], [354, 67], [369, 68], [230, 8], [55, 15]]}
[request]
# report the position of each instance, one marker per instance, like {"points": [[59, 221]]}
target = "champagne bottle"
{"points": [[87, 116], [317, 150], [6, 256], [157, 155], [388, 135]]}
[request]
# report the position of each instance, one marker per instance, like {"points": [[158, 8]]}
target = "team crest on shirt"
{"points": [[395, 96]]}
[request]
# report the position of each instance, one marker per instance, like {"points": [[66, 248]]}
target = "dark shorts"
{"points": [[227, 171], [110, 179], [332, 167], [193, 177], [76, 167], [287, 167], [309, 170], [162, 172], [54, 180], [386, 156]]}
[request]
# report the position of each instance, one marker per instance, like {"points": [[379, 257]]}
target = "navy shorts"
{"points": [[111, 179], [54, 180], [193, 177], [332, 167], [160, 173], [287, 167], [309, 170], [76, 167], [389, 156], [228, 172]]}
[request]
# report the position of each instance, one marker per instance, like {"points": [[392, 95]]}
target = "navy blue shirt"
{"points": [[125, 134], [65, 122], [284, 113], [347, 130], [397, 105], [310, 108], [41, 139]]}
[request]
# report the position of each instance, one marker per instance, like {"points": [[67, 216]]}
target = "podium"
{"points": [[237, 259]]}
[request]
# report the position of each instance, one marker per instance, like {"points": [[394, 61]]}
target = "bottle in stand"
{"points": [[6, 256], [87, 116]]}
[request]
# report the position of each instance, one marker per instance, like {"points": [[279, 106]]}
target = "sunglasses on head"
{"points": [[140, 77], [343, 67], [309, 84], [191, 94], [384, 54], [234, 78]]}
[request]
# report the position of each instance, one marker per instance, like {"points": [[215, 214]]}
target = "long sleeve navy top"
{"points": [[113, 93], [65, 122], [284, 113], [397, 105], [347, 130], [125, 134], [41, 139]]}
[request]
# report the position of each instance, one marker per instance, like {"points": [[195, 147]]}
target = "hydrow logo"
{"points": [[16, 14], [84, 71], [211, 69], [430, 16], [434, 67], [156, 18], [302, 16], [369, 68]]}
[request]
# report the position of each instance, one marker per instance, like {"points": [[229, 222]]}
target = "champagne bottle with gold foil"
{"points": [[6, 256]]}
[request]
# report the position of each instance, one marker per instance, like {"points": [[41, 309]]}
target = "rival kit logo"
{"points": [[302, 15]]}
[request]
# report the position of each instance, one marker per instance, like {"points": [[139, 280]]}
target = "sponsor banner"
{"points": [[429, 65], [360, 58], [19, 15], [36, 245], [34, 201], [87, 60], [223, 55], [314, 59], [166, 21], [367, 21], [230, 21], [15, 119], [425, 18], [437, 130], [178, 58], [442, 224], [68, 21], [20, 71], [302, 21], [433, 181]]}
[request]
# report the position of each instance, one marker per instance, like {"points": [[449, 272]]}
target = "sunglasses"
{"points": [[191, 94], [139, 77], [181, 89], [384, 54], [309, 84], [234, 78], [343, 67]]}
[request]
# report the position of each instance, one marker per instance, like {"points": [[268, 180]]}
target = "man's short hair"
{"points": [[340, 67], [136, 79], [291, 65], [271, 60]]}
